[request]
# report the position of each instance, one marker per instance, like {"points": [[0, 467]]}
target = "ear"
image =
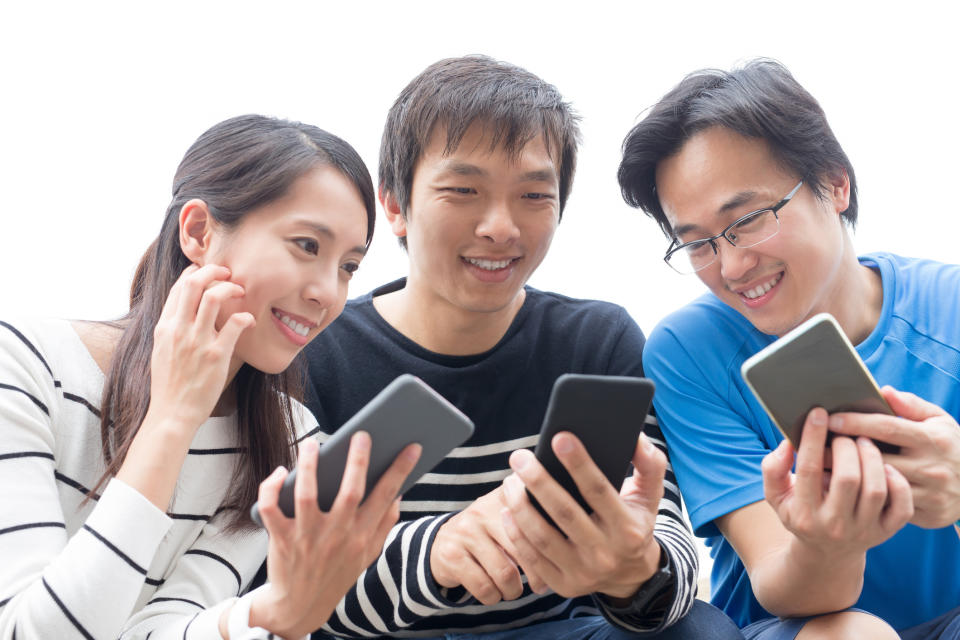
{"points": [[196, 230], [839, 183], [395, 215]]}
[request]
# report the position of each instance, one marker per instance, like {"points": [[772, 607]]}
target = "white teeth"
{"points": [[299, 329], [763, 288], [489, 265]]}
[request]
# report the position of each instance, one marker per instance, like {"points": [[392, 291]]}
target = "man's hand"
{"points": [[929, 458], [611, 551], [472, 549], [861, 504]]}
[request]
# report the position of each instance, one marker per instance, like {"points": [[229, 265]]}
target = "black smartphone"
{"points": [[814, 365], [405, 411], [606, 413]]}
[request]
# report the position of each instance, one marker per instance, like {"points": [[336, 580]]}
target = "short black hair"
{"points": [[761, 99], [512, 104]]}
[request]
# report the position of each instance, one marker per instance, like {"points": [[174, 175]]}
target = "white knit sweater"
{"points": [[115, 566]]}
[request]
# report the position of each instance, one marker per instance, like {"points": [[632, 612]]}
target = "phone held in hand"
{"points": [[606, 413], [405, 411], [814, 365]]}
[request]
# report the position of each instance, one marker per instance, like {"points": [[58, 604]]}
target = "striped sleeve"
{"points": [[55, 585], [676, 540], [398, 589]]}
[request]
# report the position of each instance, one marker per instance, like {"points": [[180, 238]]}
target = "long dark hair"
{"points": [[234, 167]]}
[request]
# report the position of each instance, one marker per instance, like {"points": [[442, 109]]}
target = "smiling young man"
{"points": [[755, 194], [476, 164]]}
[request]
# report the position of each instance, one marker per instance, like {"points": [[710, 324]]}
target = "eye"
{"points": [[698, 249], [309, 245], [350, 267], [459, 190], [538, 196]]}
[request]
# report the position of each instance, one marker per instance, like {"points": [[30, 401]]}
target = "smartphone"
{"points": [[405, 411], [814, 365], [606, 413]]}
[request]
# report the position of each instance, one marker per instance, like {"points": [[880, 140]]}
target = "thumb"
{"points": [[776, 467], [649, 467]]}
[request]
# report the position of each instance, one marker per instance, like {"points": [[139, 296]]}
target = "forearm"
{"points": [[800, 580], [153, 462]]}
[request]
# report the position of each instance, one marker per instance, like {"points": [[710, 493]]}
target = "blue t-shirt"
{"points": [[718, 433]]}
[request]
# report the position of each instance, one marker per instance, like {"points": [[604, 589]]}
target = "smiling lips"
{"points": [[300, 328]]}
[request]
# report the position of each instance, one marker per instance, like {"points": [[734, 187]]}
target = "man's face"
{"points": [[718, 176], [479, 221]]}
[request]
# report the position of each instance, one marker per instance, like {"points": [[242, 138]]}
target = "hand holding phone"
{"points": [[814, 365], [406, 411], [606, 413]]}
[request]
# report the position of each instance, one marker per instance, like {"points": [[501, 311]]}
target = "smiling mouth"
{"points": [[490, 265], [759, 290], [296, 327]]}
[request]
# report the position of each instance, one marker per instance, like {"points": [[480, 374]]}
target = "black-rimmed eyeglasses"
{"points": [[744, 232]]}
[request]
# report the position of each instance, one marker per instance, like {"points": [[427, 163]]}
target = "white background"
{"points": [[99, 102]]}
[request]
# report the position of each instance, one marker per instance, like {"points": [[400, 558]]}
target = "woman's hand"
{"points": [[314, 558], [191, 355], [189, 367]]}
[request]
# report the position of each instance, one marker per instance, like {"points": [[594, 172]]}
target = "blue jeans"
{"points": [[704, 622], [945, 627]]}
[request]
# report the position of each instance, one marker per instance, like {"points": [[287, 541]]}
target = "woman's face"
{"points": [[294, 258]]}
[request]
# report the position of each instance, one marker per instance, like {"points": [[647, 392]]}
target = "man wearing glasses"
{"points": [[745, 177]]}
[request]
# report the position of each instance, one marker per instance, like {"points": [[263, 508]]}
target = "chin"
{"points": [[271, 365]]}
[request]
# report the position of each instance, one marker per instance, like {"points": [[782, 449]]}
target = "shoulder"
{"points": [[704, 325], [555, 309], [925, 293], [33, 342]]}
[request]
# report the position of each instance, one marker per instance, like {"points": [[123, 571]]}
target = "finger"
{"points": [[354, 482], [845, 478], [809, 475], [475, 579], [385, 493], [593, 484], [649, 468], [546, 539], [212, 299], [899, 507], [873, 483], [776, 466], [535, 565], [172, 303], [236, 324], [192, 287], [878, 426], [267, 502], [910, 406], [305, 487]]}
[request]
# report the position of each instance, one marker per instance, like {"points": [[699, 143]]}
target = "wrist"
{"points": [[654, 560], [261, 611]]}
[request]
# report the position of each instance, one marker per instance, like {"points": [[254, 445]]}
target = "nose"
{"points": [[498, 223], [324, 287], [734, 261]]}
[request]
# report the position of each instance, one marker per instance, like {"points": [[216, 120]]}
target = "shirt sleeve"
{"points": [[53, 585], [671, 529], [706, 421]]}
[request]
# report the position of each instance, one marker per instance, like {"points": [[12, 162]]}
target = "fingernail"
{"points": [[412, 453], [836, 422], [647, 445], [563, 444], [518, 459], [818, 418], [361, 440], [509, 486], [279, 470]]}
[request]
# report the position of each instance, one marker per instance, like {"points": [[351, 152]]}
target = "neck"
{"points": [[439, 326], [857, 298]]}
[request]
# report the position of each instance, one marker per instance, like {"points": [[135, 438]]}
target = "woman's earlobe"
{"points": [[196, 230]]}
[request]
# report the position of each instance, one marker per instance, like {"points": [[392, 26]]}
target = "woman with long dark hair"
{"points": [[131, 451]]}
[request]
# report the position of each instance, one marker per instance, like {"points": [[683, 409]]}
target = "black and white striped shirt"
{"points": [[505, 392], [115, 566]]}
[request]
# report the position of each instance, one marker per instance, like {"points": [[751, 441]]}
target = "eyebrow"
{"points": [[324, 230], [738, 200], [466, 169]]}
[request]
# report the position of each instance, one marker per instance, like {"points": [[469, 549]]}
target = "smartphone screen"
{"points": [[606, 413], [813, 365]]}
